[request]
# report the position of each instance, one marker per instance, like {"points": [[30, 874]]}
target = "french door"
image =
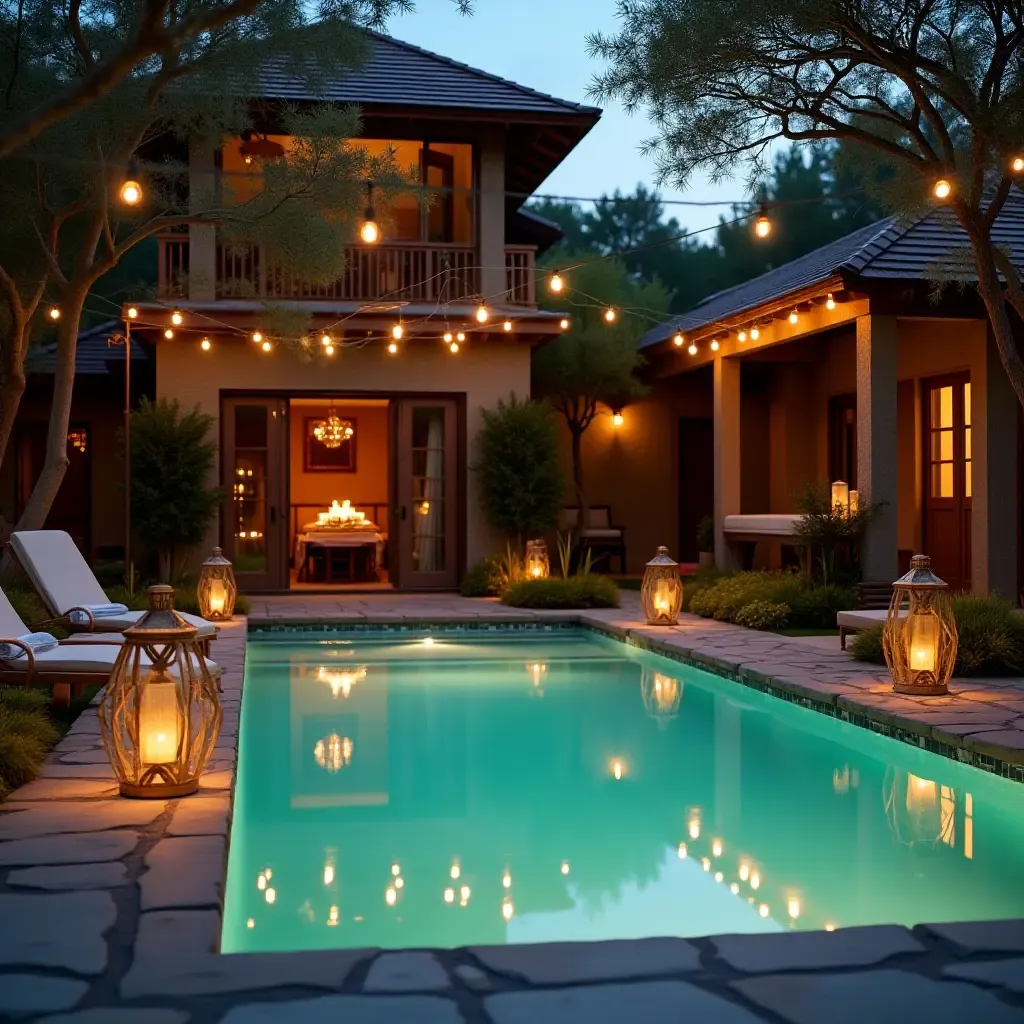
{"points": [[254, 476], [947, 481], [426, 511]]}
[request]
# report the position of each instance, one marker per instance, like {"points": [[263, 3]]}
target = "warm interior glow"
{"points": [[830, 303], [854, 501], [841, 495], [922, 636], [218, 596], [664, 596], [159, 727]]}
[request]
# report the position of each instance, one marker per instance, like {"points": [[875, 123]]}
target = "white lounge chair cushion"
{"points": [[39, 642], [864, 619], [65, 581], [779, 525], [93, 658]]}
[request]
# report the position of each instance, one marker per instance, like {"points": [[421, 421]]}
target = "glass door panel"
{"points": [[253, 466], [427, 505]]}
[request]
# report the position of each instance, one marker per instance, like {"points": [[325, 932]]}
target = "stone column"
{"points": [[202, 238], [491, 214], [994, 498], [727, 453], [877, 454]]}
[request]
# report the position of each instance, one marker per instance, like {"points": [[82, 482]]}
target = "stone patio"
{"points": [[110, 909]]}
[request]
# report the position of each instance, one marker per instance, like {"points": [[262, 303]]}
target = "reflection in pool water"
{"points": [[564, 786]]}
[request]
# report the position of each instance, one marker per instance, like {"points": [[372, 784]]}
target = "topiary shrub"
{"points": [[816, 607], [485, 579], [763, 615], [588, 591], [991, 638]]}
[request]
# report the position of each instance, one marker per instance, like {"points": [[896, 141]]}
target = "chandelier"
{"points": [[333, 752], [333, 431]]}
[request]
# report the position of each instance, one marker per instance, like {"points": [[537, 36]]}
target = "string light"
{"points": [[325, 340], [1018, 164], [369, 232], [617, 418], [794, 317], [329, 350], [830, 303], [481, 314], [564, 323], [132, 312], [168, 334], [54, 312], [397, 331], [257, 337], [692, 349], [131, 190], [942, 188], [448, 337], [555, 282], [609, 314], [754, 334], [507, 325], [679, 339], [742, 336], [453, 347], [461, 336], [205, 345], [763, 224], [267, 346], [176, 318], [715, 346], [393, 349]]}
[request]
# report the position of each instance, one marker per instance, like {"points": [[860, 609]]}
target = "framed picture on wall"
{"points": [[318, 458]]}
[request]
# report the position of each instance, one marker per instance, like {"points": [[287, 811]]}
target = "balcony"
{"points": [[392, 272]]}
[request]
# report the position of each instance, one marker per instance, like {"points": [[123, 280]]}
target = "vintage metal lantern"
{"points": [[538, 566], [919, 637], [662, 590], [160, 715], [661, 694], [217, 589]]}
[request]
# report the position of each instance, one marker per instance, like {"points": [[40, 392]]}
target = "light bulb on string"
{"points": [[617, 418], [763, 224], [830, 303], [397, 331], [205, 345], [369, 231], [715, 346], [507, 326], [132, 312], [55, 312], [393, 349], [942, 189], [555, 282], [329, 350], [267, 346], [564, 323], [609, 314], [257, 337], [453, 347], [679, 340], [692, 349], [461, 336], [448, 337], [742, 336], [325, 340], [754, 334], [482, 314], [168, 334], [177, 318], [130, 190], [1017, 164], [794, 317]]}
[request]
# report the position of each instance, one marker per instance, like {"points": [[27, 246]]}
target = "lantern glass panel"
{"points": [[662, 591]]}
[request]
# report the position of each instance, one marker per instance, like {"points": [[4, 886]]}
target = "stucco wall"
{"points": [[484, 371]]}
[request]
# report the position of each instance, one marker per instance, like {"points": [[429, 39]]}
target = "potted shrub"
{"points": [[706, 542]]}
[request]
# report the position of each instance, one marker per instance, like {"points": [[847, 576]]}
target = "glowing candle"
{"points": [[158, 722], [922, 639]]}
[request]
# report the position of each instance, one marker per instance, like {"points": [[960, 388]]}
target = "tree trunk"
{"points": [[12, 373], [48, 484], [991, 292], [583, 519]]}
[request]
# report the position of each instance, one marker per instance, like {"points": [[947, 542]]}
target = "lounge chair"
{"points": [[75, 663], [70, 590], [861, 620]]}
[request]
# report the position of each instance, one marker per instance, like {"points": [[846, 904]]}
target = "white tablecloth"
{"points": [[338, 539]]}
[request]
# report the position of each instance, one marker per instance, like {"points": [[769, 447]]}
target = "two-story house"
{"points": [[380, 431]]}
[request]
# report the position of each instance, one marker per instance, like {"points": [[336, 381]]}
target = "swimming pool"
{"points": [[397, 790]]}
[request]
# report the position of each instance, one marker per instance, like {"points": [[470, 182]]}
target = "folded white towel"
{"points": [[37, 641], [99, 611]]}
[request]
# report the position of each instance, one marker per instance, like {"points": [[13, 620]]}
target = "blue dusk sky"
{"points": [[542, 44]]}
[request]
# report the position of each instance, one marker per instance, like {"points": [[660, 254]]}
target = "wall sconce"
{"points": [[160, 714], [617, 418], [919, 638], [217, 589], [662, 591]]}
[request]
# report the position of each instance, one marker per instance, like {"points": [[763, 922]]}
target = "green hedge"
{"points": [[991, 638], [485, 579], [770, 600], [185, 599], [26, 736], [590, 591]]}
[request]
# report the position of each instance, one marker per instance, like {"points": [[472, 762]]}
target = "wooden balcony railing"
{"points": [[398, 271]]}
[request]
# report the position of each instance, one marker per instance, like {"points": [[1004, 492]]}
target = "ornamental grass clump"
{"points": [[26, 736]]}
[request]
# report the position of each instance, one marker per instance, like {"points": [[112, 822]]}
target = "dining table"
{"points": [[350, 533]]}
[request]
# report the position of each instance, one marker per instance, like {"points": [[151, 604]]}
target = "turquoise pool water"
{"points": [[563, 786]]}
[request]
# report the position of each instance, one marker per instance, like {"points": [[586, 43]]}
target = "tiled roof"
{"points": [[92, 354], [930, 247], [400, 74]]}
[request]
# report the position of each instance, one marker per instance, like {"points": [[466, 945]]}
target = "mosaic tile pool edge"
{"points": [[774, 686]]}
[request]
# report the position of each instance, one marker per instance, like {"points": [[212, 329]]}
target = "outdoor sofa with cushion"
{"points": [[69, 589]]}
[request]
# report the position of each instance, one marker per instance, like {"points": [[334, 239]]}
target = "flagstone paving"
{"points": [[110, 909]]}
